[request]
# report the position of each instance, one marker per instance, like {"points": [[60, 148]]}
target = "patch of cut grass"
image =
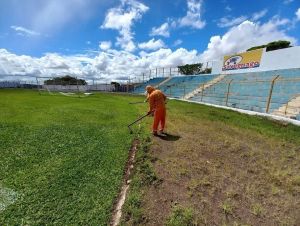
{"points": [[64, 155]]}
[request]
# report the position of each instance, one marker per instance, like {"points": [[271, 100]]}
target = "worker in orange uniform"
{"points": [[157, 108]]}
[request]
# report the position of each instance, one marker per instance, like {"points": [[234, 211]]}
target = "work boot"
{"points": [[154, 133], [162, 133]]}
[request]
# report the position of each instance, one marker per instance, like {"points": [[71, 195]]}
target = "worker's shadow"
{"points": [[169, 137]]}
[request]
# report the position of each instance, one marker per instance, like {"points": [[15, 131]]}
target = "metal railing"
{"points": [[262, 95]]}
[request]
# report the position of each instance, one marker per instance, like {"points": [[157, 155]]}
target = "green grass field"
{"points": [[61, 158], [62, 161]]}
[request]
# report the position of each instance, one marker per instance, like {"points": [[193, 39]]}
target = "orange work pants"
{"points": [[159, 118]]}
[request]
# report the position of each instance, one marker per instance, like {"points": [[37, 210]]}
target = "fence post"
{"points": [[163, 72], [156, 72], [228, 89], [54, 84], [286, 107], [170, 71], [77, 87], [38, 86], [270, 93], [202, 92]]}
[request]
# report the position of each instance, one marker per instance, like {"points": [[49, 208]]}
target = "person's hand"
{"points": [[151, 113]]}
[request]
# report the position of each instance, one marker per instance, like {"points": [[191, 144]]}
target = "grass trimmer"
{"points": [[139, 119]]}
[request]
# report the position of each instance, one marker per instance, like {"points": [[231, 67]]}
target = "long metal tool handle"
{"points": [[139, 119], [141, 102]]}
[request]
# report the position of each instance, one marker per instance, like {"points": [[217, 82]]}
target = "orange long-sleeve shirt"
{"points": [[157, 100]]}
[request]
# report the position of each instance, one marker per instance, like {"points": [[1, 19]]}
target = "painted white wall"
{"points": [[74, 88], [281, 59], [217, 67], [272, 60]]}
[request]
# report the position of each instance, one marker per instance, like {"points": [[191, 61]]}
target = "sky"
{"points": [[117, 39]]}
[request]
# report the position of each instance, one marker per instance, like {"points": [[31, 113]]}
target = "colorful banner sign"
{"points": [[244, 60]]}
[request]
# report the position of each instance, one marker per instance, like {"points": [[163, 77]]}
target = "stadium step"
{"points": [[207, 85], [163, 82], [290, 109]]}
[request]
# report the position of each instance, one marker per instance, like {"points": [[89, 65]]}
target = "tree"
{"points": [[280, 44], [206, 71], [116, 85], [65, 80], [190, 69]]}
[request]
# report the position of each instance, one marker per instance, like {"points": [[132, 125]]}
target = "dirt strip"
{"points": [[117, 210]]}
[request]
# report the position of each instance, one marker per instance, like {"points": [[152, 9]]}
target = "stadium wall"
{"points": [[272, 60], [81, 88]]}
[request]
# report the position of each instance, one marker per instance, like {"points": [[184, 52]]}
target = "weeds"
{"points": [[181, 216], [257, 209], [227, 207]]}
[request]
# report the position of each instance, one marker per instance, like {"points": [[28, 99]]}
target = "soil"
{"points": [[227, 175]]}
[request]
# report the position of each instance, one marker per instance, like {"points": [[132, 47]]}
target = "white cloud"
{"points": [[228, 8], [260, 14], [229, 22], [244, 36], [287, 1], [298, 14], [122, 18], [192, 19], [109, 65], [105, 45], [88, 42], [163, 30], [152, 44], [24, 31], [177, 42], [193, 16]]}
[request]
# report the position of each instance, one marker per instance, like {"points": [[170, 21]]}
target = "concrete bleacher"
{"points": [[250, 91], [153, 82], [177, 87]]}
